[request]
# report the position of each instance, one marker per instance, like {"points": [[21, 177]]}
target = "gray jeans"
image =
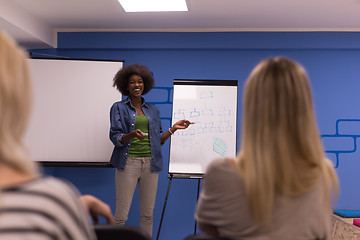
{"points": [[137, 171]]}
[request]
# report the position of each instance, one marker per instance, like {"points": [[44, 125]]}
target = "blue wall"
{"points": [[332, 60]]}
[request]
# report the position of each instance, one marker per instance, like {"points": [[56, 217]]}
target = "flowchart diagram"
{"points": [[210, 118]]}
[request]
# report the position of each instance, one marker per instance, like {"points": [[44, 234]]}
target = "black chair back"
{"points": [[115, 232], [204, 237], [207, 237]]}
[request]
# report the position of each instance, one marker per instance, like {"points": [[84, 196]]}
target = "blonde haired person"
{"points": [[33, 206], [280, 184]]}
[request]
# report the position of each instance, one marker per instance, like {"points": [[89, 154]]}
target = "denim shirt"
{"points": [[122, 121]]}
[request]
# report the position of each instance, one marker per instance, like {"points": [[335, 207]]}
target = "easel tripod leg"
{"points": [[163, 211], [197, 198]]}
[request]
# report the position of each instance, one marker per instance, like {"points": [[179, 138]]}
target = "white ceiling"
{"points": [[34, 23]]}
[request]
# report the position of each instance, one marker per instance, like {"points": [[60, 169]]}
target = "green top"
{"points": [[141, 148]]}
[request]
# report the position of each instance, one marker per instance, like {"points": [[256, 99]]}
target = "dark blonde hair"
{"points": [[281, 150], [15, 99]]}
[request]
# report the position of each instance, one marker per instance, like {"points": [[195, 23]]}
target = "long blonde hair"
{"points": [[281, 150], [15, 99]]}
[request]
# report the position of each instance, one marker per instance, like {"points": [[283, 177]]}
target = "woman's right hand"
{"points": [[139, 134]]}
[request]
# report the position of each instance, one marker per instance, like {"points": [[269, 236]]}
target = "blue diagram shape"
{"points": [[220, 146]]}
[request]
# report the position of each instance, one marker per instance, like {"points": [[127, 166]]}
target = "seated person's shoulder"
{"points": [[222, 168], [221, 163], [230, 161], [54, 187]]}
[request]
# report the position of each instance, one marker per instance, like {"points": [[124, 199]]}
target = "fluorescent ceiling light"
{"points": [[153, 5]]}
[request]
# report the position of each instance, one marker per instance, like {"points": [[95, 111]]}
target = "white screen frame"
{"points": [[70, 122]]}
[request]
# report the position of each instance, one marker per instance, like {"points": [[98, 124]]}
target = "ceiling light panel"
{"points": [[153, 5]]}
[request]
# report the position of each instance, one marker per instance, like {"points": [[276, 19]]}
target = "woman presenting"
{"points": [[137, 137]]}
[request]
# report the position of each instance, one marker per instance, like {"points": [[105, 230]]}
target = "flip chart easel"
{"points": [[212, 106]]}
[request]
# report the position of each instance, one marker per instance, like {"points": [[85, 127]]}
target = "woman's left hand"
{"points": [[182, 124]]}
